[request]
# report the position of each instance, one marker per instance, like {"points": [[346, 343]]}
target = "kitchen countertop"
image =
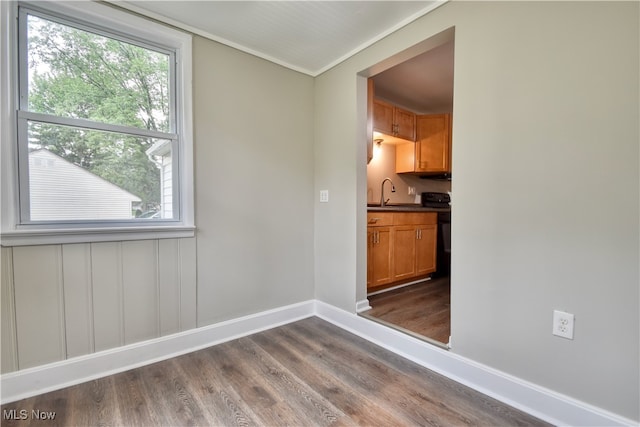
{"points": [[404, 207]]}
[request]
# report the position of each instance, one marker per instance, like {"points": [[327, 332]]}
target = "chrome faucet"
{"points": [[393, 190]]}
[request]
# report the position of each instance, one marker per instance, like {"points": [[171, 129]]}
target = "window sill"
{"points": [[89, 235]]}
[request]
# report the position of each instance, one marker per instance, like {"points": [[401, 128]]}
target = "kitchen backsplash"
{"points": [[383, 166]]}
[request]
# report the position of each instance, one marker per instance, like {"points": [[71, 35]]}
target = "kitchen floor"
{"points": [[423, 309]]}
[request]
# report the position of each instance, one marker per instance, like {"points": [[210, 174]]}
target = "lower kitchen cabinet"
{"points": [[379, 251], [426, 244], [404, 252], [401, 246], [378, 256]]}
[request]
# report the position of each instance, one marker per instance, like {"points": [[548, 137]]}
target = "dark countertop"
{"points": [[404, 207]]}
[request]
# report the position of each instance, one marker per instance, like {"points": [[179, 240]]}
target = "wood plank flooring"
{"points": [[423, 308], [307, 373]]}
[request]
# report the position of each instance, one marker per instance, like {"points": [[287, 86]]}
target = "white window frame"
{"points": [[16, 231]]}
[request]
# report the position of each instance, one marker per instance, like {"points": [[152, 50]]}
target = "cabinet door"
{"points": [[370, 243], [383, 117], [379, 257], [405, 122], [404, 252], [406, 157], [426, 249], [433, 139]]}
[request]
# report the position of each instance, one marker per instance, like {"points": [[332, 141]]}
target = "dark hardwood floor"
{"points": [[308, 373], [423, 308]]}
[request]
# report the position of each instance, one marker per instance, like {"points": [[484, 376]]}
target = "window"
{"points": [[102, 126]]}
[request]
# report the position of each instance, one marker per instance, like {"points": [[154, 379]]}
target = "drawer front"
{"points": [[415, 218], [379, 219]]}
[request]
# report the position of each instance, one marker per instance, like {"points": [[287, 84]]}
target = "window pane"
{"points": [[79, 74], [79, 174]]}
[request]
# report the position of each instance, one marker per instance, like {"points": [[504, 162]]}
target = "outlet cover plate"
{"points": [[563, 324]]}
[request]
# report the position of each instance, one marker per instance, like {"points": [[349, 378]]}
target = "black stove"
{"points": [[435, 200], [441, 200]]}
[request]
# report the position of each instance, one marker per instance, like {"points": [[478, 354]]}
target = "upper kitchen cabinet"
{"points": [[394, 121], [431, 153]]}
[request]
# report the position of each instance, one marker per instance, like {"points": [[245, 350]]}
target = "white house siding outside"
{"points": [[60, 190], [167, 193], [160, 153]]}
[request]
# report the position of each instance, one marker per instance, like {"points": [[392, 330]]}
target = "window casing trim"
{"points": [[16, 232]]}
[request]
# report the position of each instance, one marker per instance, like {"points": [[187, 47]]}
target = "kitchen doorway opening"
{"points": [[409, 117]]}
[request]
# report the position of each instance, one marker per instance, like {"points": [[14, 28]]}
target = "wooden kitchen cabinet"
{"points": [[401, 246], [432, 151], [379, 256], [379, 251], [405, 124], [404, 252], [383, 117], [394, 121], [414, 244], [426, 246], [414, 249]]}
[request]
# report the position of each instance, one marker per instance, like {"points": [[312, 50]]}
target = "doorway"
{"points": [[419, 86]]}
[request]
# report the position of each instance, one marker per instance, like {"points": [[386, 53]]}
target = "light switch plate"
{"points": [[324, 196]]}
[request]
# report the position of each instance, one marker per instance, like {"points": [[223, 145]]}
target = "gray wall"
{"points": [[253, 125], [545, 165]]}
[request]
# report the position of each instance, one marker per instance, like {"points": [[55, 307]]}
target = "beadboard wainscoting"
{"points": [[64, 301]]}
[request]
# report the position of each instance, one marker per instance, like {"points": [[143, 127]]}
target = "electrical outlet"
{"points": [[412, 191], [324, 196], [563, 324]]}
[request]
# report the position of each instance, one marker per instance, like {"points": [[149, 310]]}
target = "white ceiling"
{"points": [[313, 36], [423, 84], [306, 36]]}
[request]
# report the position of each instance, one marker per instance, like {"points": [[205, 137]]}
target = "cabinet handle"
{"points": [[374, 220], [420, 229], [377, 236], [417, 234]]}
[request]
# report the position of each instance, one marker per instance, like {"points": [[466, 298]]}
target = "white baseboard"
{"points": [[362, 305], [543, 403], [535, 400], [53, 376], [404, 285]]}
